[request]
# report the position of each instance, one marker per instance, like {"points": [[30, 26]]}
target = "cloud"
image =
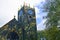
{"points": [[41, 25], [39, 17]]}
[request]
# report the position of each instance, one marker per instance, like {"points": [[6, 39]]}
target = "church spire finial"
{"points": [[29, 5], [25, 4], [14, 16]]}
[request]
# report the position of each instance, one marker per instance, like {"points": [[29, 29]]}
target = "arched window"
{"points": [[20, 13], [12, 36]]}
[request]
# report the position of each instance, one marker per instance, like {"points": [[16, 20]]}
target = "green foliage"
{"points": [[53, 16], [41, 34], [51, 33]]}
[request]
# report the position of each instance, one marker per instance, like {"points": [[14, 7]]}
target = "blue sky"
{"points": [[9, 8]]}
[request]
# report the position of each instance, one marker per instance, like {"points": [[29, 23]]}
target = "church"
{"points": [[22, 29]]}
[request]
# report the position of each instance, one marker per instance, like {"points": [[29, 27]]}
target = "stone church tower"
{"points": [[22, 29]]}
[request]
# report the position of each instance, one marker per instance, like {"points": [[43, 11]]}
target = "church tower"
{"points": [[26, 16], [22, 29]]}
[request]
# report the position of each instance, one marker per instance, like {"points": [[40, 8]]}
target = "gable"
{"points": [[8, 26]]}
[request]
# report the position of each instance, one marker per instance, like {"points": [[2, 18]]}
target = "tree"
{"points": [[51, 33], [41, 34], [53, 16]]}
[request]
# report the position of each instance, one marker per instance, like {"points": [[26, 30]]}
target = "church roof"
{"points": [[11, 21], [11, 24]]}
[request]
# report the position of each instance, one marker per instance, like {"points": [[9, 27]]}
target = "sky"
{"points": [[9, 8]]}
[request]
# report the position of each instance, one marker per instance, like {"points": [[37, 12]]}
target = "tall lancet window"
{"points": [[20, 14]]}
